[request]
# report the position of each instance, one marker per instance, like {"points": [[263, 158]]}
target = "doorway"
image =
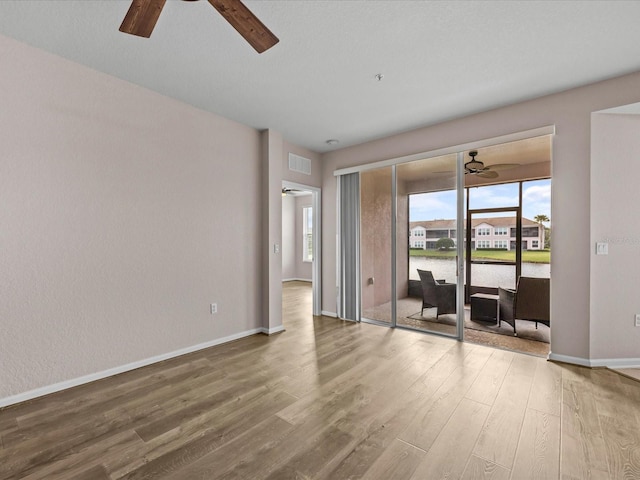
{"points": [[396, 240], [301, 238]]}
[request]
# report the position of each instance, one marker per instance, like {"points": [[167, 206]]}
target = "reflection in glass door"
{"points": [[427, 244]]}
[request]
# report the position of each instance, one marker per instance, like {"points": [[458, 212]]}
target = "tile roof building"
{"points": [[497, 232]]}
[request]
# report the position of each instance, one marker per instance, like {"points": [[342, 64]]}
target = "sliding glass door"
{"points": [[409, 245], [427, 245], [494, 242], [419, 237]]}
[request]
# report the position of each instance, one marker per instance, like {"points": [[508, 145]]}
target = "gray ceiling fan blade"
{"points": [[487, 174], [503, 166]]}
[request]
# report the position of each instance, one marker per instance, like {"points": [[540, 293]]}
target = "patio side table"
{"points": [[484, 307]]}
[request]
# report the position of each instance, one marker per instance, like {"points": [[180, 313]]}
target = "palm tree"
{"points": [[541, 218], [547, 231]]}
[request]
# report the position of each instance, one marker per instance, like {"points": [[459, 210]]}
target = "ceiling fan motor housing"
{"points": [[473, 165]]}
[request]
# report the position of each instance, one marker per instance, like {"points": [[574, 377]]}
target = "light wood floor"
{"points": [[629, 372], [333, 400]]}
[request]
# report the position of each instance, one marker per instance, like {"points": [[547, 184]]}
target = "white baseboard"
{"points": [[329, 314], [583, 362], [271, 331], [56, 387], [297, 280], [617, 363], [597, 362]]}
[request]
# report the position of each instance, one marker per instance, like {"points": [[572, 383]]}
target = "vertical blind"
{"points": [[349, 213]]}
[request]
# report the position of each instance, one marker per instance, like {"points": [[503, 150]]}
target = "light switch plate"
{"points": [[602, 248]]}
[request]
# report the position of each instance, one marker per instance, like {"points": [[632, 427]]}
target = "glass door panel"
{"points": [[375, 244], [426, 240], [536, 228], [492, 242]]}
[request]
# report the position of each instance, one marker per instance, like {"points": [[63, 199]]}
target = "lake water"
{"points": [[481, 275]]}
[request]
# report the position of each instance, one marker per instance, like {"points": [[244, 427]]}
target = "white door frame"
{"points": [[316, 268]]}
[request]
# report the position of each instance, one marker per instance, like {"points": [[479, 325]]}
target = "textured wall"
{"points": [[375, 236], [121, 221], [313, 180], [614, 199]]}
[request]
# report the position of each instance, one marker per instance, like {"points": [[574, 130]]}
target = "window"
{"points": [[500, 231], [437, 233], [483, 244], [418, 233], [534, 244], [307, 234], [483, 232], [500, 244]]}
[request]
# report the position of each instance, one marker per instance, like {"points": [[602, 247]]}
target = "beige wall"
{"points": [[313, 180], [272, 152], [614, 199], [123, 215], [570, 112]]}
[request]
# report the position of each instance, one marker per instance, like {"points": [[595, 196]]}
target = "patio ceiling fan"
{"points": [[476, 167], [143, 15]]}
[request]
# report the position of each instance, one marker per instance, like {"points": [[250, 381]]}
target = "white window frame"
{"points": [[483, 232], [307, 234], [500, 231], [500, 244], [483, 244]]}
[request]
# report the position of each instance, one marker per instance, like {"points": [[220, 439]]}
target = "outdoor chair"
{"points": [[437, 294], [529, 301]]}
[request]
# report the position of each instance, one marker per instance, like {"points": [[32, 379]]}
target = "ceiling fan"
{"points": [[476, 167], [289, 191], [143, 15]]}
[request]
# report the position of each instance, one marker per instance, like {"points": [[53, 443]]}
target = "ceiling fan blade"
{"points": [[503, 166], [246, 23], [142, 17], [487, 174]]}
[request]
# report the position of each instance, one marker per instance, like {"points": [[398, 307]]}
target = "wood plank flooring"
{"points": [[334, 400]]}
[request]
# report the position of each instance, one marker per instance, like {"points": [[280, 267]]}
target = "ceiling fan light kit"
{"points": [[473, 165], [143, 16]]}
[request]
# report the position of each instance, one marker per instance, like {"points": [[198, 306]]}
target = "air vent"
{"points": [[299, 164]]}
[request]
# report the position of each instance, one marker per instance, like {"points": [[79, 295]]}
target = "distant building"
{"points": [[498, 232]]}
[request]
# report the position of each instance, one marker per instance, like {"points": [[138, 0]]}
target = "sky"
{"points": [[536, 200]]}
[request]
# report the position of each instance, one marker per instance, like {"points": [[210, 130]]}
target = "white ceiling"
{"points": [[440, 60]]}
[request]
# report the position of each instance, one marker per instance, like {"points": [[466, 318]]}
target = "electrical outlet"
{"points": [[637, 319], [214, 308]]}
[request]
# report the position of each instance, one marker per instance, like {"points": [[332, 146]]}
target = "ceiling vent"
{"points": [[299, 164]]}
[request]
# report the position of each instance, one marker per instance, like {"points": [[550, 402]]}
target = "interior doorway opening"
{"points": [[301, 238]]}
